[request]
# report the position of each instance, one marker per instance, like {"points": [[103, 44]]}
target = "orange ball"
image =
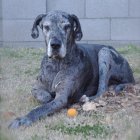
{"points": [[72, 112]]}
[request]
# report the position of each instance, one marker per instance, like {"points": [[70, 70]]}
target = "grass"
{"points": [[129, 49], [95, 130], [132, 54], [36, 137], [18, 70]]}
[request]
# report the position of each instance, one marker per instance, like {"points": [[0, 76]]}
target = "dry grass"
{"points": [[18, 70]]}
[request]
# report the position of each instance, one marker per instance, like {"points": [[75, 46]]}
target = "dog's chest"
{"points": [[49, 71]]}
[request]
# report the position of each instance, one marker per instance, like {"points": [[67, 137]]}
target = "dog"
{"points": [[71, 71]]}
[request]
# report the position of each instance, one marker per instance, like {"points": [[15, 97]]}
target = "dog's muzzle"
{"points": [[54, 48], [55, 44]]}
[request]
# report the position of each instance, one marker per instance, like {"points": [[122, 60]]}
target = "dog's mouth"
{"points": [[55, 52], [55, 55]]}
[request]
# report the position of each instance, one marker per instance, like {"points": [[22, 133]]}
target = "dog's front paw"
{"points": [[22, 121], [84, 99]]}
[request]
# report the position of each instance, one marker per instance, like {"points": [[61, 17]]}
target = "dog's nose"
{"points": [[55, 44]]}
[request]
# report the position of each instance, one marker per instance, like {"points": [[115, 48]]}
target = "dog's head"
{"points": [[60, 31]]}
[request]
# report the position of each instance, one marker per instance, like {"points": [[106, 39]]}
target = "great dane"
{"points": [[69, 70]]}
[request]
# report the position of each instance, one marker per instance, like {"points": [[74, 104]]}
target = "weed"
{"points": [[86, 130], [36, 137], [31, 72], [3, 136], [129, 49], [11, 53], [136, 70]]}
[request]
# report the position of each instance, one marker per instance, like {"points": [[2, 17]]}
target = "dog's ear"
{"points": [[77, 28], [35, 31]]}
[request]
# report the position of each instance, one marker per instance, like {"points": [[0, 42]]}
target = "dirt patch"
{"points": [[129, 97]]}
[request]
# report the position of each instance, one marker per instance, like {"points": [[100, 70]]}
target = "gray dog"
{"points": [[68, 70]]}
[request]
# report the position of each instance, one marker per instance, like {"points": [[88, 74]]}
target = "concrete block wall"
{"points": [[1, 23], [102, 21], [17, 21]]}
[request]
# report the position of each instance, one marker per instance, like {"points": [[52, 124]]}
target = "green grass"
{"points": [[36, 137], [21, 53], [95, 130], [129, 49], [3, 136], [31, 72], [132, 54]]}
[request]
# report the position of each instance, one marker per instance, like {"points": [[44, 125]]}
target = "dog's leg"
{"points": [[104, 61], [40, 92], [59, 102], [39, 112], [119, 88], [41, 95]]}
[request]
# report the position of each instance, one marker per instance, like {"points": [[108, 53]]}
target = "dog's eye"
{"points": [[47, 28], [66, 27]]}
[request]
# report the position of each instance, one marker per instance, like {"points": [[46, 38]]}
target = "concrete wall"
{"points": [[1, 23], [103, 21], [17, 18]]}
